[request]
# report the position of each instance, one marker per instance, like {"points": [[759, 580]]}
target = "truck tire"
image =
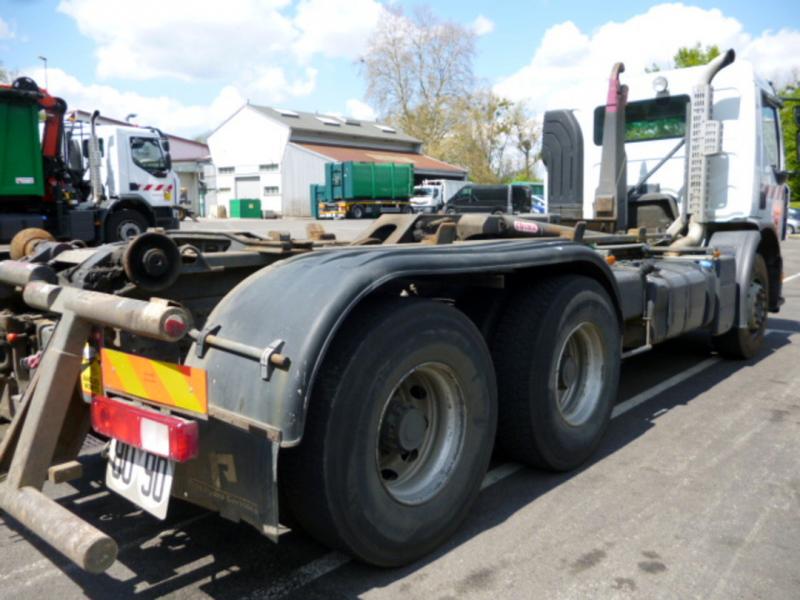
{"points": [[557, 353], [124, 225], [357, 211], [398, 435], [745, 342]]}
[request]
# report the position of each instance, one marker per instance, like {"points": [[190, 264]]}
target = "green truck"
{"points": [[359, 189]]}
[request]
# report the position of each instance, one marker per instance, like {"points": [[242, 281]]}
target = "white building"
{"points": [[275, 155]]}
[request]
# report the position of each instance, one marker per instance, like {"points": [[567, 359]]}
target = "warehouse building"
{"points": [[275, 155]]}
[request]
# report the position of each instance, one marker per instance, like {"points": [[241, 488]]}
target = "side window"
{"points": [[769, 127], [146, 153]]}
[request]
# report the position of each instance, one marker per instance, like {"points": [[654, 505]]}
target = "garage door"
{"points": [[248, 187]]}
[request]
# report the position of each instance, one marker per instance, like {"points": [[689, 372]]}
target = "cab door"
{"points": [[773, 191]]}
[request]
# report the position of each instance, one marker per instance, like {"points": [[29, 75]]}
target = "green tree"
{"points": [[789, 127], [696, 56], [689, 57]]}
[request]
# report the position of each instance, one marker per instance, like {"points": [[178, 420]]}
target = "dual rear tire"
{"points": [[402, 420]]}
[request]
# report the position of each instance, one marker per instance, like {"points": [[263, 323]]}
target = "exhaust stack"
{"points": [[705, 141], [94, 163]]}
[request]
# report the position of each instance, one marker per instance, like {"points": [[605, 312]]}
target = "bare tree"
{"points": [[526, 132], [417, 67]]}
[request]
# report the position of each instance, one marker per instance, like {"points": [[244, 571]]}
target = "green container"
{"points": [[246, 208], [368, 181], [21, 171]]}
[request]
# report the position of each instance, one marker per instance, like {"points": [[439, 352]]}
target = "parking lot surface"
{"points": [[694, 493]]}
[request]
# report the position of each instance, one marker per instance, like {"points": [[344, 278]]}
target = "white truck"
{"points": [[432, 194], [359, 389], [139, 187]]}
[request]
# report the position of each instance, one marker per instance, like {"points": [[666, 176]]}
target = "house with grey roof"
{"points": [[275, 154]]}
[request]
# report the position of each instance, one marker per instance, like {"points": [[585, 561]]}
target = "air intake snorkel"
{"points": [[704, 141]]}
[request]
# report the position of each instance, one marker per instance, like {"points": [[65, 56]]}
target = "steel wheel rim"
{"points": [[757, 299], [128, 230], [578, 374], [421, 433]]}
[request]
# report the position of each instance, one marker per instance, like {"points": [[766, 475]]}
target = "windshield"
{"points": [[656, 119], [147, 154], [426, 191]]}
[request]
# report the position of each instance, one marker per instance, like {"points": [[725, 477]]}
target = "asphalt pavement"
{"points": [[694, 493]]}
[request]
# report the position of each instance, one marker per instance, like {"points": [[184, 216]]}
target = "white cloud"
{"points": [[360, 110], [159, 111], [482, 25], [568, 61], [6, 31], [187, 39], [335, 29]]}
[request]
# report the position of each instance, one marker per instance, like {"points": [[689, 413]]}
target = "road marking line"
{"points": [[784, 331], [790, 277], [646, 395], [499, 473]]}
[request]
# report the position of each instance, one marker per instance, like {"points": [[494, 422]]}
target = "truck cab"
{"points": [[139, 185], [747, 177]]}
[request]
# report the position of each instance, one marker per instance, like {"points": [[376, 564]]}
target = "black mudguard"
{"points": [[300, 303]]}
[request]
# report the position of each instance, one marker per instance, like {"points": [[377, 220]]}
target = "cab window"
{"points": [[769, 127], [146, 153], [647, 120]]}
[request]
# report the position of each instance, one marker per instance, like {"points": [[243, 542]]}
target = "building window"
{"points": [[225, 170], [271, 190], [268, 168]]}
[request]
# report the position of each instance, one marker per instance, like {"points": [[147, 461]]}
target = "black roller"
{"points": [[152, 261]]}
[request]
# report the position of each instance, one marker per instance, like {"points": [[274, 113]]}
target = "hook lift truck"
{"points": [[101, 183], [365, 384]]}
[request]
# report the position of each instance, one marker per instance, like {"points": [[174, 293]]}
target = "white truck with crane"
{"points": [[52, 186], [360, 388]]}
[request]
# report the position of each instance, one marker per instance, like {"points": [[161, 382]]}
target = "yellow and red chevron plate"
{"points": [[180, 387]]}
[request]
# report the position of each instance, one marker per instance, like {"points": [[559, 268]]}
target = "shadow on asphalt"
{"points": [[227, 560]]}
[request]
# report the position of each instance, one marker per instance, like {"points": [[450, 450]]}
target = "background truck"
{"points": [[359, 189], [46, 178], [432, 194], [357, 390]]}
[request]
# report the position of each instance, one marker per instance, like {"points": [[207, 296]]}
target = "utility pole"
{"points": [[44, 60]]}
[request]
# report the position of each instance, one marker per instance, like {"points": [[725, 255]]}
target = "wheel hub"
{"points": [[420, 434], [757, 300], [411, 431], [569, 371]]}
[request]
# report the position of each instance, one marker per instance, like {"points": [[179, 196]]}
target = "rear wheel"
{"points": [[124, 225], [745, 342], [357, 211], [557, 351], [398, 435]]}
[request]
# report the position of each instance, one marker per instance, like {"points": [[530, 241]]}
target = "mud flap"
{"points": [[235, 474]]}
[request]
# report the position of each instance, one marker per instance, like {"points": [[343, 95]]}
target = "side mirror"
{"points": [[165, 144], [781, 177], [168, 160], [85, 148]]}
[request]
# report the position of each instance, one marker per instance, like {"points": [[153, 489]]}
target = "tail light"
{"points": [[165, 435]]}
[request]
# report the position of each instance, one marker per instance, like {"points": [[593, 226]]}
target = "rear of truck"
{"points": [[366, 384]]}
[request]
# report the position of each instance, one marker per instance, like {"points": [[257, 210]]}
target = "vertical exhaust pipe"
{"points": [[705, 140], [98, 194]]}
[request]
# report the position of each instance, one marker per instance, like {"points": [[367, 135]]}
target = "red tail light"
{"points": [[171, 437]]}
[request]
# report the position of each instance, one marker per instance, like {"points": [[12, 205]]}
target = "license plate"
{"points": [[143, 478]]}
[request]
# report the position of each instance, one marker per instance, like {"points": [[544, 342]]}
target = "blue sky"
{"points": [[178, 62]]}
